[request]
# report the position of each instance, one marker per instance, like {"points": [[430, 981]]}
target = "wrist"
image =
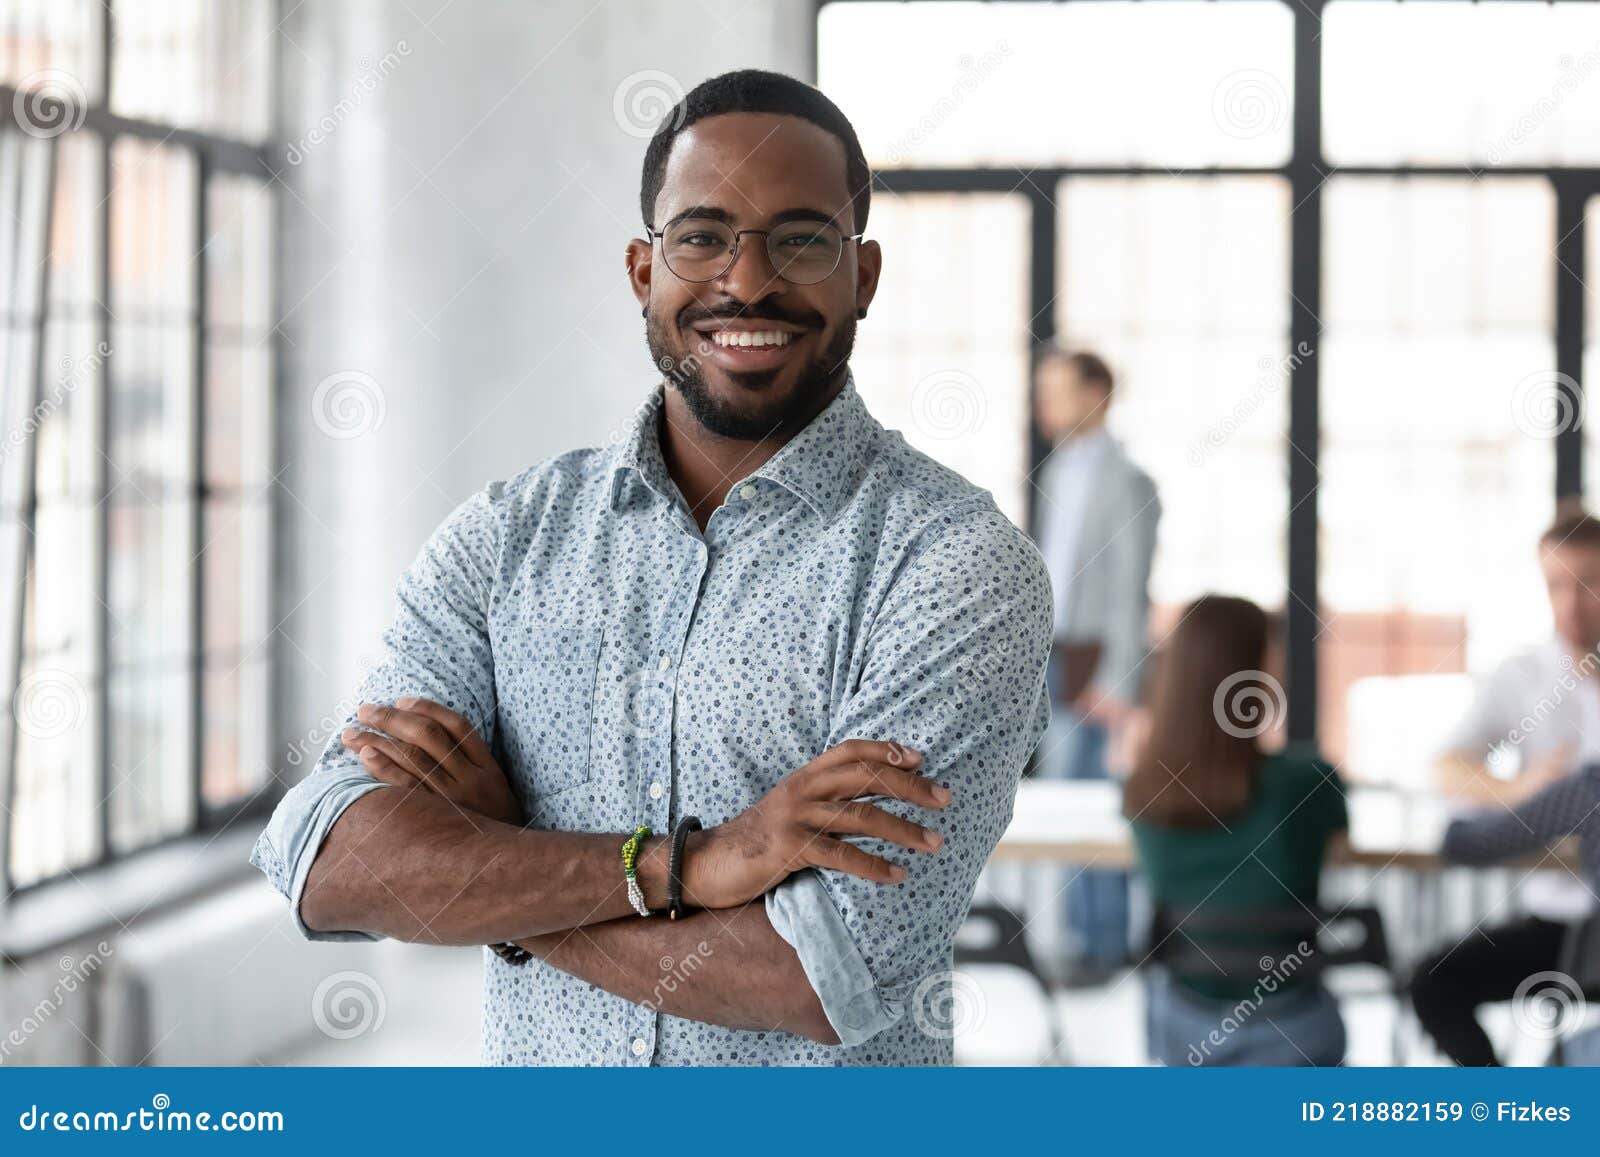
{"points": [[689, 871], [651, 871]]}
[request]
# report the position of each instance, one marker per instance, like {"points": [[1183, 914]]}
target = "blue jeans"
{"points": [[1292, 1028], [1096, 900]]}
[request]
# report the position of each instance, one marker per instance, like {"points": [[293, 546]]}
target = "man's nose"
{"points": [[751, 276]]}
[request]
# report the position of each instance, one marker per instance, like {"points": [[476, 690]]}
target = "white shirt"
{"points": [[1532, 704], [1066, 480]]}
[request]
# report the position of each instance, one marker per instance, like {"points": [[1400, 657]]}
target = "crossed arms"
{"points": [[858, 903]]}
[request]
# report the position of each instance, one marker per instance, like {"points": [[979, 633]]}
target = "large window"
{"points": [[1338, 253], [135, 244]]}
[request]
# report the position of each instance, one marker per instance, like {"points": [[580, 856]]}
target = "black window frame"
{"points": [[214, 155], [1306, 171]]}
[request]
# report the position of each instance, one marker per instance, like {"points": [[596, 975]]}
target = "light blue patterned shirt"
{"points": [[628, 669]]}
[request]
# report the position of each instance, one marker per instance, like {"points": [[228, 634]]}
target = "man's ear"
{"points": [[640, 259], [869, 263]]}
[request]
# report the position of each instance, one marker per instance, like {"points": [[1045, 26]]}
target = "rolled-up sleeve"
{"points": [[955, 669], [437, 647]]}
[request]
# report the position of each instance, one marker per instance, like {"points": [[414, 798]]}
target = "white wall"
{"points": [[457, 235]]}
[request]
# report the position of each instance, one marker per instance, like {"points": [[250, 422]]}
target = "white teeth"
{"points": [[753, 338]]}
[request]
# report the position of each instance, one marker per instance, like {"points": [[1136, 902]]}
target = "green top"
{"points": [[1267, 856]]}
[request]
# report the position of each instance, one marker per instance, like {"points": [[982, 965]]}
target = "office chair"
{"points": [[1231, 944], [995, 935]]}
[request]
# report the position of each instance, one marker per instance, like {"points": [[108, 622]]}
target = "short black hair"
{"points": [[755, 90]]}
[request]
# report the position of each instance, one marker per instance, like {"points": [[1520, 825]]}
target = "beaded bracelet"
{"points": [[630, 863]]}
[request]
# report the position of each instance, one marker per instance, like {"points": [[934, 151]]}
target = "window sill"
{"points": [[105, 899]]}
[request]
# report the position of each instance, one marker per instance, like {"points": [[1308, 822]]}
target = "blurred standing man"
{"points": [[1096, 527], [1546, 704]]}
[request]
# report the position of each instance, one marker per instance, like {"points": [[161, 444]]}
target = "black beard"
{"points": [[782, 417]]}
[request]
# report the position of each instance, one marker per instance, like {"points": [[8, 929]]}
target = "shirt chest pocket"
{"points": [[546, 683]]}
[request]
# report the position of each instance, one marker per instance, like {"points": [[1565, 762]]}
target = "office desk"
{"points": [[1080, 823]]}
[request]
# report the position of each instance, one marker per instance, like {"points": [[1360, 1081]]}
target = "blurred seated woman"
{"points": [[1229, 832]]}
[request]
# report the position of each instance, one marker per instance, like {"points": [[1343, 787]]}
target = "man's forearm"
{"points": [[727, 967], [408, 864]]}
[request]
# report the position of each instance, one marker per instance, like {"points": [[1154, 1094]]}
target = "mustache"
{"points": [[767, 312]]}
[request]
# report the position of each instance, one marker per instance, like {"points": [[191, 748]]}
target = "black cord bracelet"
{"points": [[680, 836]]}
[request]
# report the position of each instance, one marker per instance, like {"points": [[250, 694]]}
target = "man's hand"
{"points": [[796, 825], [425, 744]]}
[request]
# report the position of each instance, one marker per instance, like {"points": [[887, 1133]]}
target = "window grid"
{"points": [[197, 698], [1306, 172]]}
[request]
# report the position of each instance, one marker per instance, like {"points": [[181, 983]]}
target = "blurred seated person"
{"points": [[1225, 827], [1568, 807], [1543, 706]]}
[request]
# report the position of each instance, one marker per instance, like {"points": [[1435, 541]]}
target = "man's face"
{"points": [[753, 171], [1572, 577], [1063, 401]]}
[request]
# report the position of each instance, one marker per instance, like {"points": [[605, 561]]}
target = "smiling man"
{"points": [[762, 610]]}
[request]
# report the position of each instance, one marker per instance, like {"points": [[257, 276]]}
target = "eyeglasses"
{"points": [[703, 249]]}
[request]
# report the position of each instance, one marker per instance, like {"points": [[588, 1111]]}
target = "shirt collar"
{"points": [[818, 464]]}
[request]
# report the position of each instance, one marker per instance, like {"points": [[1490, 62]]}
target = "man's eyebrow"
{"points": [[712, 213]]}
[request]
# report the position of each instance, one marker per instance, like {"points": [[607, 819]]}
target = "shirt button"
{"points": [[656, 790], [747, 492], [639, 1046], [666, 661]]}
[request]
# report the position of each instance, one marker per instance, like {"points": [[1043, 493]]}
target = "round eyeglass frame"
{"points": [[738, 246]]}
